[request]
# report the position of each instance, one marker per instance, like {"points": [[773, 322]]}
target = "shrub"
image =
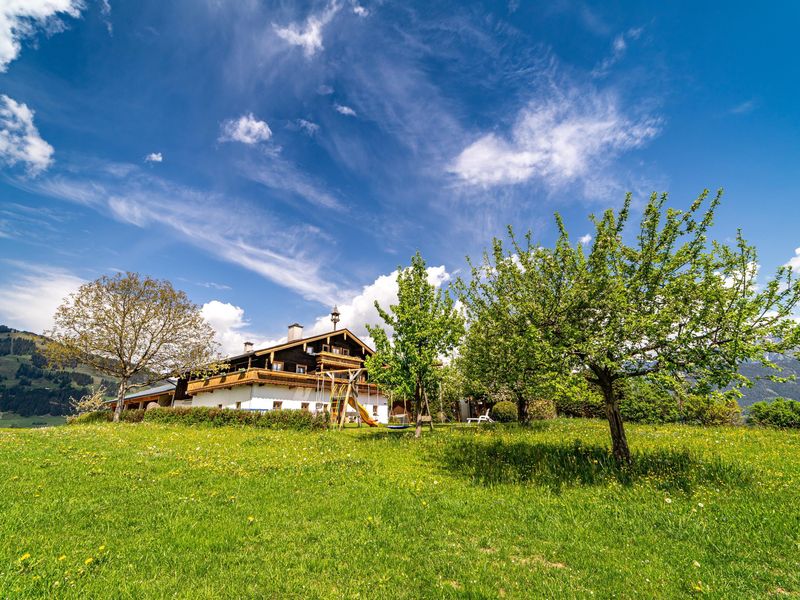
{"points": [[505, 412], [711, 409], [132, 416], [641, 401], [778, 413], [97, 416], [541, 408], [218, 417]]}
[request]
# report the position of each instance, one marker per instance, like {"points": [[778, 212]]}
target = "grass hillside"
{"points": [[170, 511], [30, 388]]}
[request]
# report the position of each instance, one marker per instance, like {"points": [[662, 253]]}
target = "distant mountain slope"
{"points": [[28, 386], [764, 389]]}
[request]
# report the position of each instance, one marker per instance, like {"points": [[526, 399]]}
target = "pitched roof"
{"points": [[306, 340], [169, 386]]}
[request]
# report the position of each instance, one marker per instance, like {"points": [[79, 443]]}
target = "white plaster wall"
{"points": [[263, 397]]}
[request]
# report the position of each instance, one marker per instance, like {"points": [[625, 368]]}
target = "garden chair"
{"points": [[481, 419]]}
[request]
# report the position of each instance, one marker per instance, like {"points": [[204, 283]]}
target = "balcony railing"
{"points": [[265, 376]]}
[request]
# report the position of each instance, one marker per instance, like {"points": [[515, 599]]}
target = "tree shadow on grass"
{"points": [[493, 462]]}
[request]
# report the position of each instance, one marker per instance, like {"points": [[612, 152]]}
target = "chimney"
{"points": [[295, 332], [248, 346]]}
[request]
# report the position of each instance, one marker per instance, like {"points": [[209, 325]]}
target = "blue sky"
{"points": [[274, 158]]}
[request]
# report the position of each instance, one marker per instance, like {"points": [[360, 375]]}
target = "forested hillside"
{"points": [[28, 386]]}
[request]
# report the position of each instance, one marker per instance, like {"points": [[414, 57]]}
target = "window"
{"points": [[326, 348], [320, 407], [374, 410], [301, 369], [238, 405], [342, 351], [277, 405], [304, 406], [277, 366], [310, 350]]}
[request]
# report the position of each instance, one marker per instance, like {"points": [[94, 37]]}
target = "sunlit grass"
{"points": [[162, 511]]}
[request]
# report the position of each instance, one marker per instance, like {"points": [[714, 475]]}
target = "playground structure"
{"points": [[344, 393]]}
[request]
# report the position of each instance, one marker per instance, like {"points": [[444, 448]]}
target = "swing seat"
{"points": [[404, 426]]}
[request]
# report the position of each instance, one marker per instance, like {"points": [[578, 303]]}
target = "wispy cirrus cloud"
{"points": [[21, 19], [20, 142], [262, 243], [618, 49]]}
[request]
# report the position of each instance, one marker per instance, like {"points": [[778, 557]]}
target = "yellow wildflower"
{"points": [[25, 556], [62, 557], [88, 561]]}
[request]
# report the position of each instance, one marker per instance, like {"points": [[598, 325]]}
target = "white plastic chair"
{"points": [[481, 419]]}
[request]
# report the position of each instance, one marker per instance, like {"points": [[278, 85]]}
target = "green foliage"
{"points": [[98, 416], [711, 409], [669, 304], [425, 328], [777, 413], [540, 409], [300, 420], [505, 412]]}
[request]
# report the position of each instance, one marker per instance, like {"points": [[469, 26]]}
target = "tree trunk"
{"points": [[123, 389], [619, 443], [522, 408], [418, 409]]}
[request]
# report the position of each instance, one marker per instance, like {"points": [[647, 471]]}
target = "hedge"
{"points": [[215, 417], [778, 413]]}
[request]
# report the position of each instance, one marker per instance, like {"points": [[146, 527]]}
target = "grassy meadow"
{"points": [[145, 510]]}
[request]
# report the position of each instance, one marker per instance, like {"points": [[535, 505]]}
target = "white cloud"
{"points": [[20, 19], [585, 239], [307, 126], [563, 138], [31, 294], [360, 10], [154, 157], [20, 141], [794, 262], [345, 110], [324, 90], [246, 129], [308, 36], [231, 328], [359, 310]]}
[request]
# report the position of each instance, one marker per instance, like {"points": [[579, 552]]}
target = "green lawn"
{"points": [[9, 419], [144, 510]]}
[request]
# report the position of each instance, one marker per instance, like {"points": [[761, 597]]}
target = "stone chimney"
{"points": [[295, 332], [248, 346]]}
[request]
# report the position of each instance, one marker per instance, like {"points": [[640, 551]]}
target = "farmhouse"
{"points": [[304, 373]]}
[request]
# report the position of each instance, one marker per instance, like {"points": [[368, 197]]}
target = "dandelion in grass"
{"points": [[88, 561], [62, 557], [25, 557]]}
